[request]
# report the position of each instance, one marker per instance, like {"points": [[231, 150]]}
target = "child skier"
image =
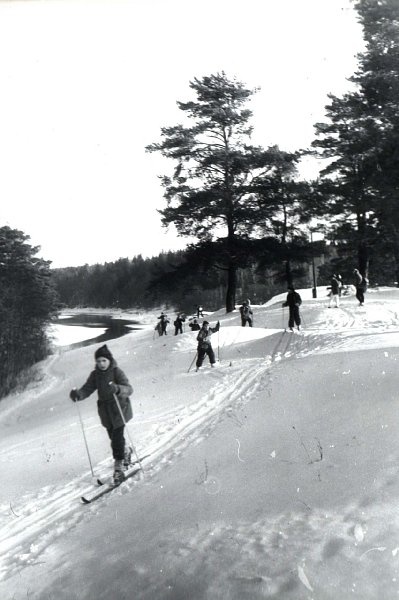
{"points": [[163, 322], [113, 387], [194, 326], [204, 344], [334, 294], [246, 313], [293, 301], [178, 323]]}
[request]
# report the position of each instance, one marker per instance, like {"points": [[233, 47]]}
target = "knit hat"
{"points": [[103, 352], [205, 323]]}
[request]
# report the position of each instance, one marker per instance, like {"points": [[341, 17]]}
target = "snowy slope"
{"points": [[273, 475]]}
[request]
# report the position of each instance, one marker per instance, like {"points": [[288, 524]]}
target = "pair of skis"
{"points": [[106, 487]]}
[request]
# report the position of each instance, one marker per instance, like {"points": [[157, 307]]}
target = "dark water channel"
{"points": [[115, 327]]}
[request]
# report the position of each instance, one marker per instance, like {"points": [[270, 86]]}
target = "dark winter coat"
{"points": [[246, 311], [293, 299], [107, 407], [179, 321], [204, 337]]}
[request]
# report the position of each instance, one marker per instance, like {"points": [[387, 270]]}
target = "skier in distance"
{"points": [[204, 344], [246, 313], [293, 302]]}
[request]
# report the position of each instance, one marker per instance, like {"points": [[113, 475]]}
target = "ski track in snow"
{"points": [[29, 527], [39, 518]]}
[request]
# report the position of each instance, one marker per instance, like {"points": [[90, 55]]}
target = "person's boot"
{"points": [[127, 461], [118, 472]]}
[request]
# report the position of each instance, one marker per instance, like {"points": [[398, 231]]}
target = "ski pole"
{"points": [[127, 428], [192, 362], [84, 437], [218, 346]]}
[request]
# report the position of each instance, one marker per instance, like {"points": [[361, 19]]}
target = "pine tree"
{"points": [[27, 303], [360, 140], [210, 194]]}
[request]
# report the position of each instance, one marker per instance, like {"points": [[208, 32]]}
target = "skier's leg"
{"points": [[200, 358], [118, 451], [291, 321], [118, 443], [296, 316], [211, 355]]}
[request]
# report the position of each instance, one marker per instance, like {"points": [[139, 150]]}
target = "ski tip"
{"points": [[85, 500]]}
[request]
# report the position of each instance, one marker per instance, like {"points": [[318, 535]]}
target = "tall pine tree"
{"points": [[210, 194]]}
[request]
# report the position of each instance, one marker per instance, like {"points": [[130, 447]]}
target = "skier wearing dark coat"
{"points": [[293, 302], [246, 314], [204, 344], [178, 323], [334, 294], [110, 382], [163, 323], [194, 326]]}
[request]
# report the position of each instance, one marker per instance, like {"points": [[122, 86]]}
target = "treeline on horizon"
{"points": [[151, 283]]}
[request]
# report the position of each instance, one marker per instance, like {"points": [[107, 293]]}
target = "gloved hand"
{"points": [[74, 395], [114, 388]]}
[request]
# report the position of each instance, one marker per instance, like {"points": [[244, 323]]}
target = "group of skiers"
{"points": [[163, 322], [203, 337], [114, 389], [294, 300], [360, 282]]}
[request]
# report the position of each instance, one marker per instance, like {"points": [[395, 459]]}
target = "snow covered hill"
{"points": [[273, 475]]}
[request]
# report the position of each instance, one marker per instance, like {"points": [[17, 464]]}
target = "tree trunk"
{"points": [[362, 248], [288, 273], [363, 258], [396, 259], [231, 288]]}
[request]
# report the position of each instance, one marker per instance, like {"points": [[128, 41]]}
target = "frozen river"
{"points": [[83, 329]]}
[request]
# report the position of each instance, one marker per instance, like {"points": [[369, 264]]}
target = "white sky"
{"points": [[86, 85]]}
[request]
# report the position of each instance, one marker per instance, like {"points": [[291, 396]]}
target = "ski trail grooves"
{"points": [[39, 519], [34, 525]]}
